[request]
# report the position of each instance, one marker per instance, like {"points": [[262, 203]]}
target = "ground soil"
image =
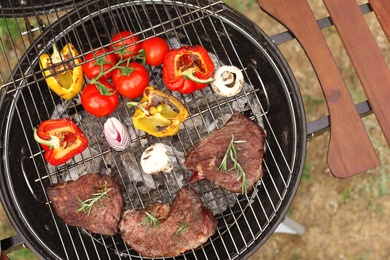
{"points": [[344, 219]]}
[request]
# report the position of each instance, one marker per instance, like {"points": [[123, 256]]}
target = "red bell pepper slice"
{"points": [[187, 69], [62, 139]]}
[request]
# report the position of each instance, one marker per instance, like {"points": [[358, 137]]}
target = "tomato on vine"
{"points": [[130, 80], [99, 99], [125, 45], [154, 50], [95, 61]]}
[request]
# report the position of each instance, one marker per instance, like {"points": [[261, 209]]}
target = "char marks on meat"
{"points": [[167, 239], [106, 212], [205, 157]]}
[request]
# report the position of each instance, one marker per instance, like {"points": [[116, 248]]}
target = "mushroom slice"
{"points": [[228, 81], [156, 159]]}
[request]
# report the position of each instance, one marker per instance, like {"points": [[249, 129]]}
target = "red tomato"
{"points": [[98, 104], [155, 49], [131, 81], [125, 44], [94, 63]]}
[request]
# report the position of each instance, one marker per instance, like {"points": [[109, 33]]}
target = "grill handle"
{"points": [[366, 57], [347, 154], [10, 244], [3, 256]]}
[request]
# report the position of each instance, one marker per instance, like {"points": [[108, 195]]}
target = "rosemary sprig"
{"points": [[182, 228], [86, 205], [149, 220], [231, 153]]}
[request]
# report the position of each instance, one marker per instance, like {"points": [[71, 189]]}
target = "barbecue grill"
{"points": [[270, 98]]}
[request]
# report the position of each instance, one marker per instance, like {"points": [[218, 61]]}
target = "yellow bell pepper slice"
{"points": [[159, 113], [62, 71]]}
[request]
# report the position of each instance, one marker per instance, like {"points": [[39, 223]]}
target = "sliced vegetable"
{"points": [[98, 64], [62, 72], [228, 81], [153, 51], [158, 113], [99, 99], [187, 69], [61, 138], [116, 134], [156, 159], [130, 79], [125, 44]]}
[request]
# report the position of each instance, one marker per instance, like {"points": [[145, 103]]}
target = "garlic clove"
{"points": [[116, 134]]}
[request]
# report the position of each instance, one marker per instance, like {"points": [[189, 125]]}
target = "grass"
{"points": [[6, 230], [306, 174], [296, 255], [10, 30], [312, 103], [240, 5], [20, 254]]}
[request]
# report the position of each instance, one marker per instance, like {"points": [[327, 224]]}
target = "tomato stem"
{"points": [[103, 90], [141, 55], [101, 61]]}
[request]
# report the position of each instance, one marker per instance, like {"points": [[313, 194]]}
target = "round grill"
{"points": [[270, 98]]}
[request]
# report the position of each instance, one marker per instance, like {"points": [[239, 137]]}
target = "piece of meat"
{"points": [[105, 213], [206, 156], [165, 240]]}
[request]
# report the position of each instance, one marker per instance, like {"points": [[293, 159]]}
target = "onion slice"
{"points": [[116, 134]]}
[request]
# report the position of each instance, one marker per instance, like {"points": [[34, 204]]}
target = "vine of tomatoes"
{"points": [[113, 71]]}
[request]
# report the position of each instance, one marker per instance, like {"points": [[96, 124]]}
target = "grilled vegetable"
{"points": [[125, 44], [61, 138], [98, 65], [228, 82], [130, 79], [187, 69], [61, 71], [100, 99], [158, 113], [155, 159], [153, 51], [116, 134]]}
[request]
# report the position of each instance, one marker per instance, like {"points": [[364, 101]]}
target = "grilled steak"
{"points": [[206, 156], [104, 215], [184, 225]]}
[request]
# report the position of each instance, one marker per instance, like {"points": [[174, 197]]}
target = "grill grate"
{"points": [[269, 98]]}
